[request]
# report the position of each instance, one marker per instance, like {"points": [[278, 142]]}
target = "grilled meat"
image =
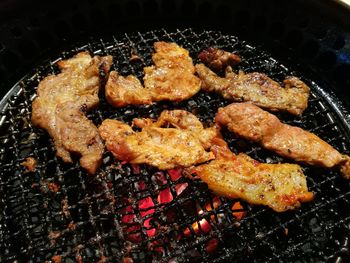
{"points": [[279, 186], [164, 148], [184, 120], [172, 79], [218, 59], [61, 102], [252, 123], [29, 164], [258, 89]]}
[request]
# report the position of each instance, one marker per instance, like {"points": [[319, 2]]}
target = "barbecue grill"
{"points": [[131, 213]]}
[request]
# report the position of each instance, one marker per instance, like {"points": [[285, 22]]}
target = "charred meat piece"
{"points": [[279, 186], [171, 78], [258, 89], [161, 147], [61, 102], [218, 59], [252, 123]]}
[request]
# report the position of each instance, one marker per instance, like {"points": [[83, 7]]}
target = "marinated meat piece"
{"points": [[258, 89], [345, 167], [279, 186], [30, 164], [185, 120], [164, 148], [252, 123], [171, 79], [218, 59], [61, 102]]}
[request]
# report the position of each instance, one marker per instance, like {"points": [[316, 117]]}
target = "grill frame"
{"points": [[340, 118]]}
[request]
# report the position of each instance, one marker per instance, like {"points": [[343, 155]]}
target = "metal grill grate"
{"points": [[59, 211]]}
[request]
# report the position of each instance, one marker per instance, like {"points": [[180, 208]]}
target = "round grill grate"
{"points": [[59, 212]]}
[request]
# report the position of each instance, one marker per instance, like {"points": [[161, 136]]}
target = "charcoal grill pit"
{"points": [[60, 212]]}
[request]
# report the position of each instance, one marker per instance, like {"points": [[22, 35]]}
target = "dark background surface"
{"points": [[311, 36]]}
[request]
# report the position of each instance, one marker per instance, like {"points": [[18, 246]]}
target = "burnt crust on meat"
{"points": [[218, 59], [60, 105]]}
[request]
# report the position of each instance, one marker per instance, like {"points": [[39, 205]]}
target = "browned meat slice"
{"points": [[218, 59], [252, 123], [258, 89], [279, 186], [61, 102], [172, 79], [185, 120], [164, 148]]}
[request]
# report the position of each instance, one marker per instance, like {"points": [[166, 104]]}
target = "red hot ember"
{"points": [[175, 174], [165, 196], [146, 205], [204, 227], [146, 208]]}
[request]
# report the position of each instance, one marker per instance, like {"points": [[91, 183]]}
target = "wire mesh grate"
{"points": [[139, 214]]}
